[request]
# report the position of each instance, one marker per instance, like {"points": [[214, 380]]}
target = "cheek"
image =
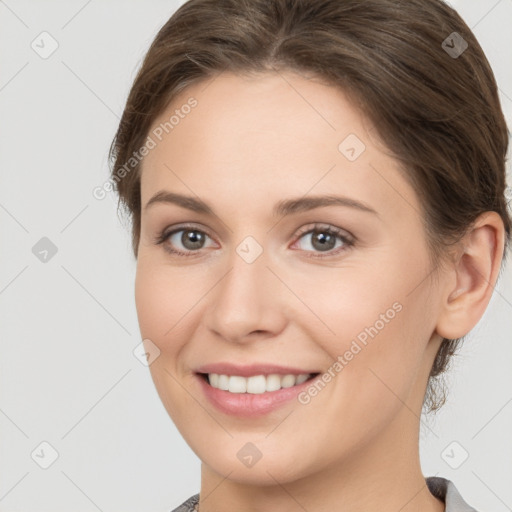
{"points": [[163, 306], [379, 326], [349, 305], [164, 299], [151, 302], [376, 371]]}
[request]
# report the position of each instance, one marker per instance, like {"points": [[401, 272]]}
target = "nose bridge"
{"points": [[245, 299]]}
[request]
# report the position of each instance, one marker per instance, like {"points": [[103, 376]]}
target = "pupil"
{"points": [[193, 238], [325, 242]]}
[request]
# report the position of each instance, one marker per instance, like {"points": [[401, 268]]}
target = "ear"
{"points": [[472, 277]]}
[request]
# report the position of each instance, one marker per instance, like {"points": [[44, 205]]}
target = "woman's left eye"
{"points": [[323, 239]]}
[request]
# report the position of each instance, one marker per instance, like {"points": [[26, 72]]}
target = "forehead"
{"points": [[267, 135], [279, 109]]}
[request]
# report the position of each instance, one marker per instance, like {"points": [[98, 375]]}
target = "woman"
{"points": [[317, 192]]}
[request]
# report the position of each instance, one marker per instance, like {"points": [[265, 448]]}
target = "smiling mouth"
{"points": [[256, 384]]}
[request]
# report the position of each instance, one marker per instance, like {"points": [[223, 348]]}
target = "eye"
{"points": [[190, 238], [321, 238], [324, 239]]}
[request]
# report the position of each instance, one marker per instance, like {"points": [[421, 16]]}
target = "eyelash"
{"points": [[348, 242]]}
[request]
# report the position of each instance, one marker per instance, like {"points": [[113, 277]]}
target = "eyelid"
{"points": [[319, 226], [179, 227]]}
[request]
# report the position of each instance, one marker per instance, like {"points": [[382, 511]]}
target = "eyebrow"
{"points": [[282, 208]]}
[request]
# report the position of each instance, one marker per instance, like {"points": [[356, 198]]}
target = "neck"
{"points": [[384, 476]]}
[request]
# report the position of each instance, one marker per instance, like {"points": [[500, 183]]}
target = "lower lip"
{"points": [[248, 404]]}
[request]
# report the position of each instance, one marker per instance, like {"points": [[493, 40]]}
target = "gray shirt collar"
{"points": [[440, 487]]}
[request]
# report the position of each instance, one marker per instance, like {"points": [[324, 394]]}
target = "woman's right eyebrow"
{"points": [[188, 202], [281, 209]]}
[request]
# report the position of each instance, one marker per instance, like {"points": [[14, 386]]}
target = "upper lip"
{"points": [[252, 369]]}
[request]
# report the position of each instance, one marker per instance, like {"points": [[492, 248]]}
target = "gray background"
{"points": [[68, 326]]}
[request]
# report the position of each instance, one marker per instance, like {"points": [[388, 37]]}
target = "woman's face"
{"points": [[262, 288]]}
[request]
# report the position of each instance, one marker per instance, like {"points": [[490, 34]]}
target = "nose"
{"points": [[246, 304]]}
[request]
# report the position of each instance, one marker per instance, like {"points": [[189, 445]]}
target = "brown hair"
{"points": [[438, 112]]}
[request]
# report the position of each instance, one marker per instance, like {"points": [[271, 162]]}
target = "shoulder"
{"points": [[446, 491], [188, 506]]}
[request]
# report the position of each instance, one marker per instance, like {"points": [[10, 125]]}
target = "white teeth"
{"points": [[256, 384], [302, 378], [214, 379], [223, 382], [288, 381], [237, 384], [273, 382]]}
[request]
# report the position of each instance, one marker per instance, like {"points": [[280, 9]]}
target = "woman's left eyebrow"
{"points": [[282, 208], [301, 204]]}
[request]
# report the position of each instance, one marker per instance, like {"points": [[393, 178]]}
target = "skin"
{"points": [[249, 143]]}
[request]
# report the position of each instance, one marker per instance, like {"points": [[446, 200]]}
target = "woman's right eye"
{"points": [[191, 239]]}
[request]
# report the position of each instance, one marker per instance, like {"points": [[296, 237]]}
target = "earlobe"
{"points": [[471, 280]]}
